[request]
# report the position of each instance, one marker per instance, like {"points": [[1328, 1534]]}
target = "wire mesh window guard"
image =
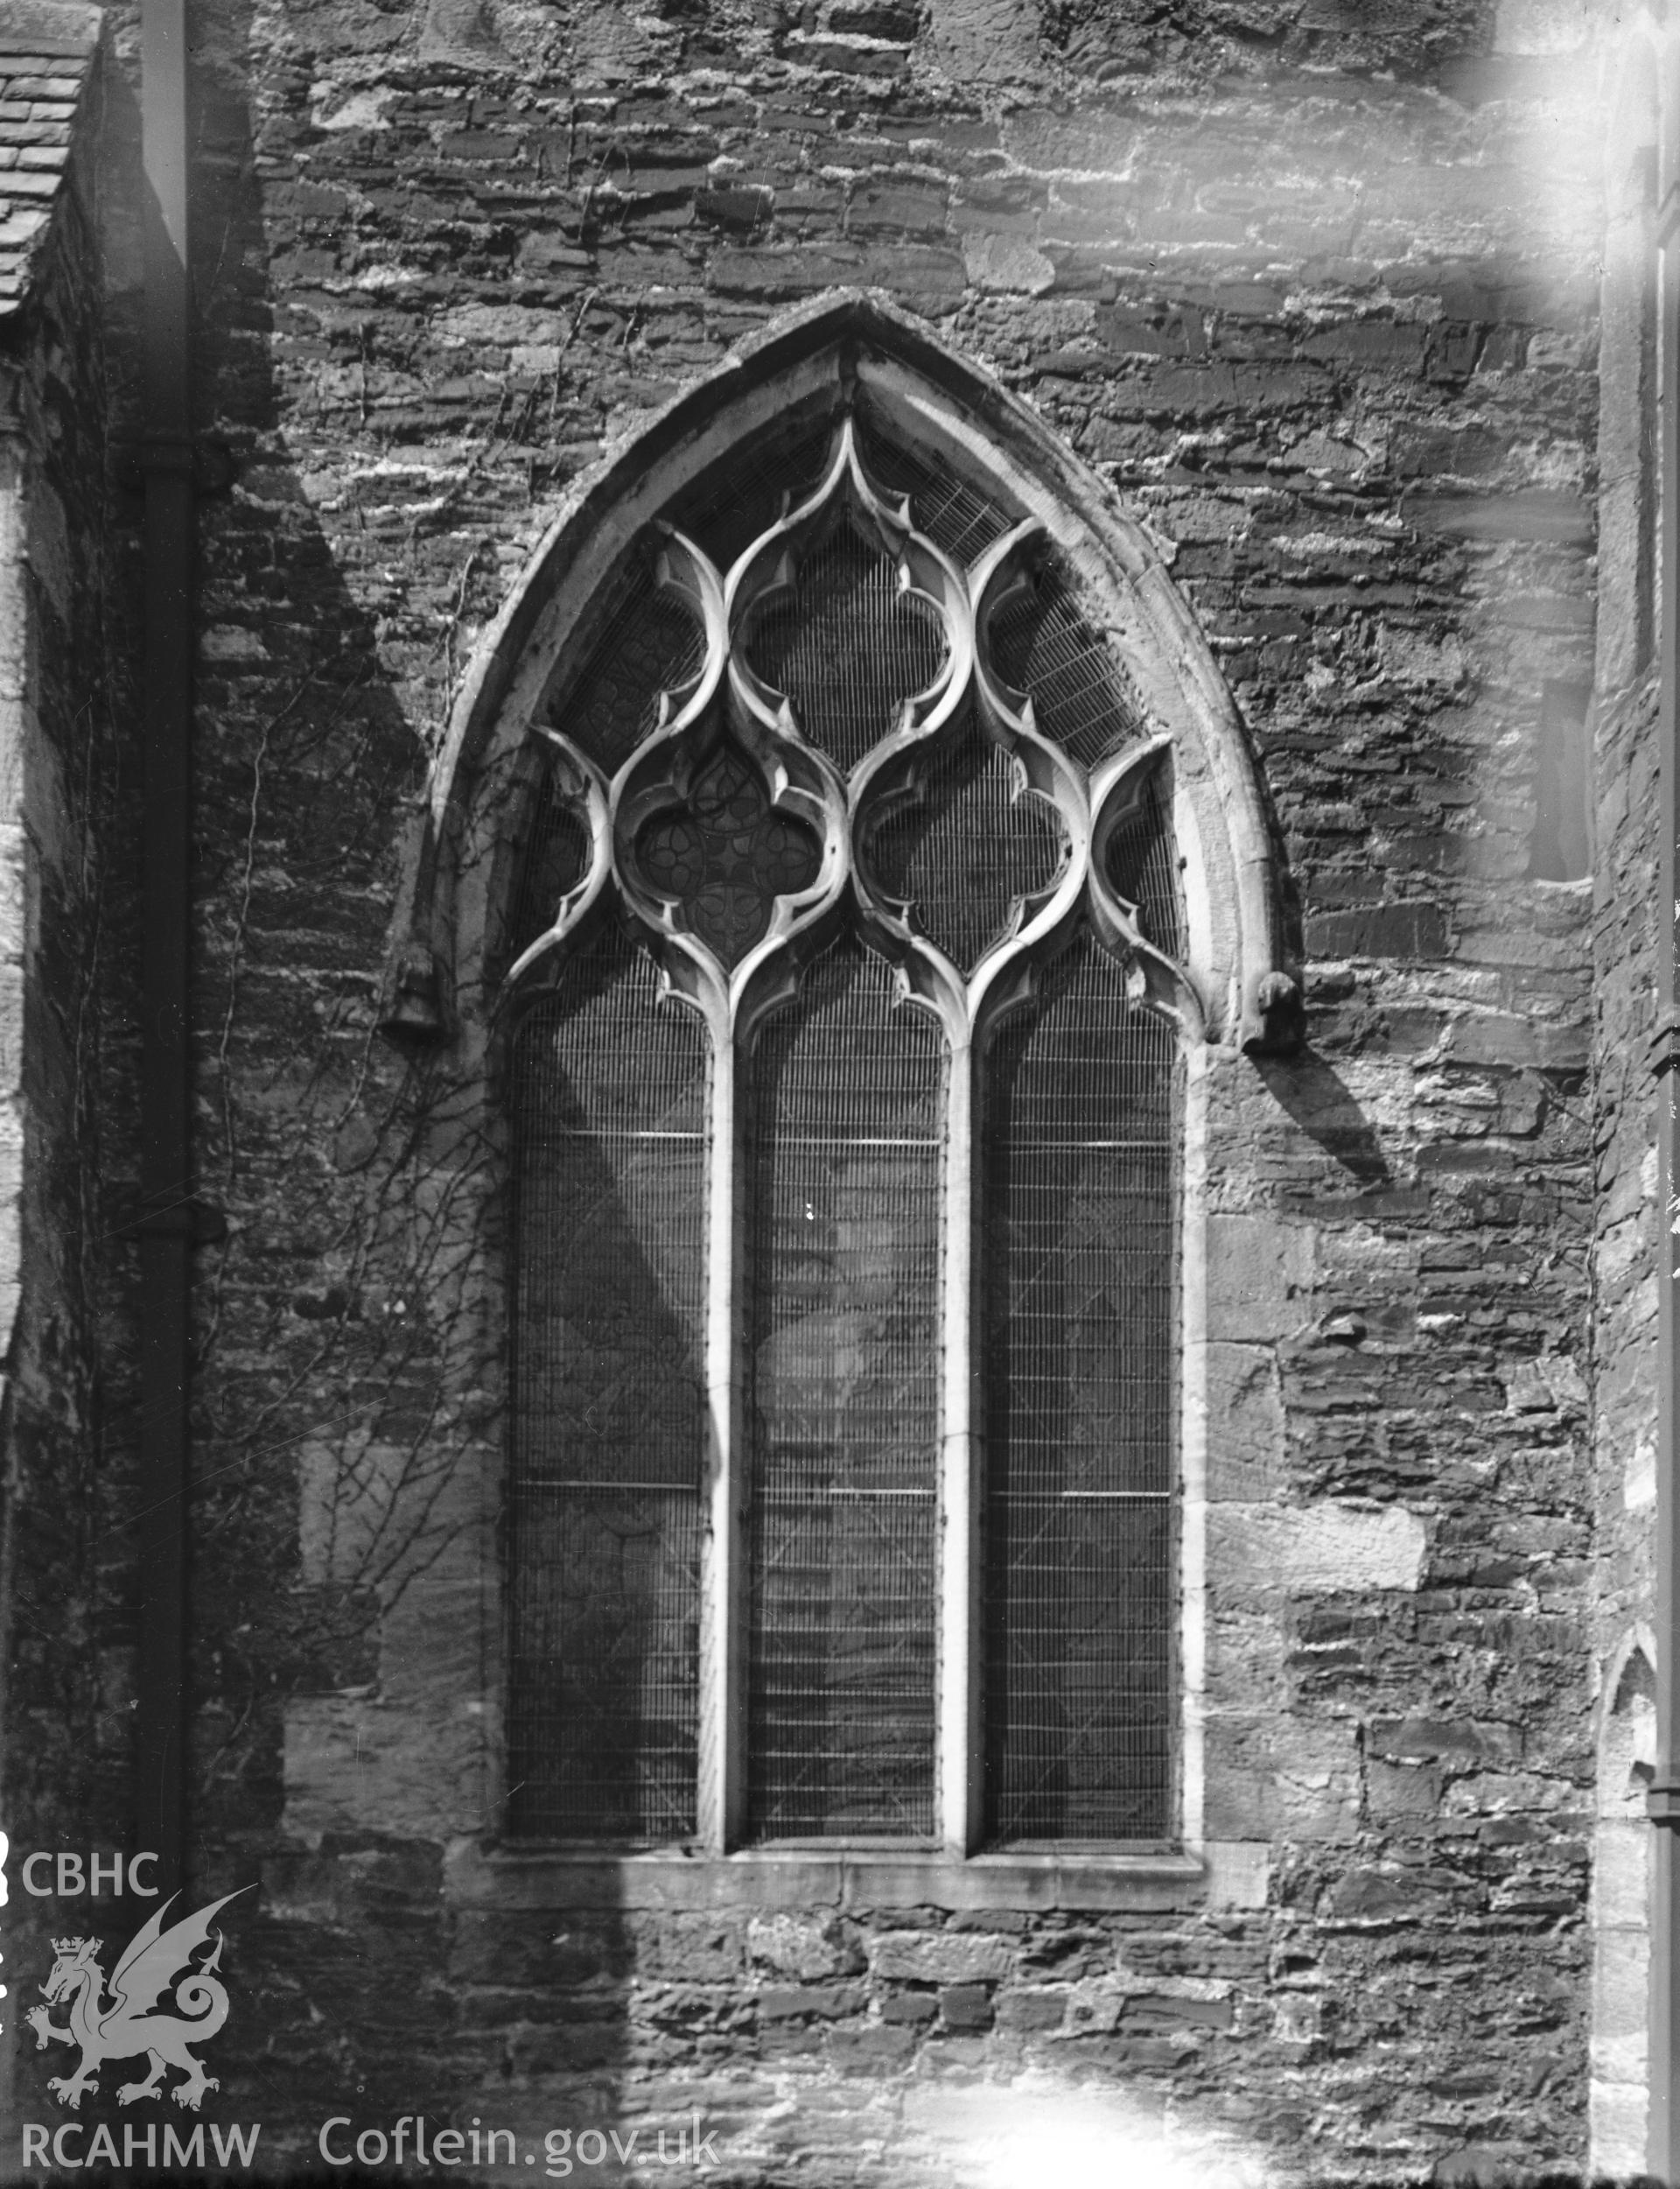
{"points": [[966, 846], [844, 1167], [848, 644], [845, 1124], [609, 1103], [725, 855], [1079, 1281]]}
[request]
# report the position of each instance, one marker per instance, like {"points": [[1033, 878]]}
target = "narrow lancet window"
{"points": [[1080, 1239], [609, 1118], [843, 1487]]}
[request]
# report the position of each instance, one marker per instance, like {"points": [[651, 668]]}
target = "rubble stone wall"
{"points": [[1315, 291], [64, 1583]]}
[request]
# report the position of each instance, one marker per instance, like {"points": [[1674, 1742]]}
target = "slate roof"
{"points": [[42, 78]]}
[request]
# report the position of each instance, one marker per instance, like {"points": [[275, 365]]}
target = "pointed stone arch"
{"points": [[807, 366]]}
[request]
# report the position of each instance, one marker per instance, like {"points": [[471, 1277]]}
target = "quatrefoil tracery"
{"points": [[725, 854], [802, 770]]}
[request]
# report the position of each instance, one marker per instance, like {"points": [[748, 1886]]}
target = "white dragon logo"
{"points": [[126, 2024]]}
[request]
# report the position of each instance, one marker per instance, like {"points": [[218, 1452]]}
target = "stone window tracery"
{"points": [[846, 1099]]}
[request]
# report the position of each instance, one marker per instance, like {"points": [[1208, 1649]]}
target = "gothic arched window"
{"points": [[847, 1002]]}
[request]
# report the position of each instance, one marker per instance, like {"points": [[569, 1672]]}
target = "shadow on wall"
{"points": [[339, 1624], [346, 1426], [1312, 1094]]}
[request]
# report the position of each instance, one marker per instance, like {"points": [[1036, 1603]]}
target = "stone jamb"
{"points": [[1633, 374]]}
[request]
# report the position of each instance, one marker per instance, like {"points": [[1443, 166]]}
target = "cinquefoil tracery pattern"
{"points": [[930, 954]]}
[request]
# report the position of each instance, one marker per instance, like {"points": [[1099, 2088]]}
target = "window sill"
{"points": [[1220, 1875]]}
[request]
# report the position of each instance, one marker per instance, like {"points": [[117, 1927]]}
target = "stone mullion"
{"points": [[1002, 980], [938, 988], [962, 1647], [695, 974], [722, 1699], [962, 1653]]}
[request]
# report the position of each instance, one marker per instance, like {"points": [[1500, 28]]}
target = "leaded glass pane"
{"points": [[1079, 1353], [1144, 867], [609, 1114], [848, 1100], [967, 846], [1044, 646], [848, 646], [725, 855], [650, 646]]}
